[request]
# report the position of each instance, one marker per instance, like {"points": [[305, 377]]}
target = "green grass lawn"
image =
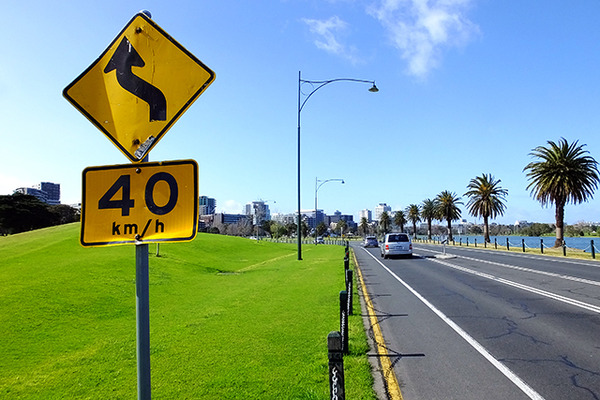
{"points": [[230, 318]]}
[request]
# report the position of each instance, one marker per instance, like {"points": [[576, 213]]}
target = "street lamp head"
{"points": [[373, 88], [343, 182]]}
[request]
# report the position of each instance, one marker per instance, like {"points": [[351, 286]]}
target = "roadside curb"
{"points": [[386, 384]]}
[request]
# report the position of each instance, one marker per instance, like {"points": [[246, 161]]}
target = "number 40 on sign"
{"points": [[133, 203]]}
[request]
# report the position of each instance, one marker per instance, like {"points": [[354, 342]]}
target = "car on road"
{"points": [[396, 244], [320, 240], [370, 241]]}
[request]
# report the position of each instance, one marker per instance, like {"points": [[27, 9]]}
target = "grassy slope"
{"points": [[230, 318]]}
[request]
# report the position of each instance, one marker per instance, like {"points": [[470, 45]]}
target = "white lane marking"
{"points": [[522, 385], [535, 271], [554, 296], [586, 263]]}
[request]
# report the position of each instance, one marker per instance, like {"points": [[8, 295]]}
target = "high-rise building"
{"points": [[207, 205], [52, 192], [313, 219], [40, 194], [47, 192], [380, 209], [338, 216], [284, 219], [259, 211], [366, 213]]}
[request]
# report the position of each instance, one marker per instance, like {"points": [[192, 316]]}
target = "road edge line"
{"points": [[391, 382]]}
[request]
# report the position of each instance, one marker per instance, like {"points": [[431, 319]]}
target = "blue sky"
{"points": [[466, 87]]}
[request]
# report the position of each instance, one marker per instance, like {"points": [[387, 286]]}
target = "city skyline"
{"points": [[211, 207]]}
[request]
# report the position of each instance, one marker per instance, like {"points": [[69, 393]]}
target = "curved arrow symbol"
{"points": [[123, 59]]}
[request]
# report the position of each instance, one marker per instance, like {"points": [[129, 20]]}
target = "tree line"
{"points": [[21, 212], [244, 227], [561, 173]]}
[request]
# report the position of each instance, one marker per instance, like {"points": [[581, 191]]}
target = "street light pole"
{"points": [[299, 228], [317, 187], [301, 104]]}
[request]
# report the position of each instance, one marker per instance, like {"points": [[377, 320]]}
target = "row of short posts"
{"points": [[564, 246], [337, 341]]}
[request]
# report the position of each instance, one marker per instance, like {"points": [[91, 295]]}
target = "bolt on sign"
{"points": [[139, 86], [131, 203]]}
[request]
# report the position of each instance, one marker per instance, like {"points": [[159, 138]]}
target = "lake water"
{"points": [[583, 243]]}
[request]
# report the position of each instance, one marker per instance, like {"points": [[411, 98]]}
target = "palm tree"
{"points": [[486, 199], [447, 208], [341, 225], [428, 212], [384, 222], [400, 220], [563, 173], [414, 215], [364, 225]]}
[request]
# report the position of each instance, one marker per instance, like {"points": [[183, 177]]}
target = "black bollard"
{"points": [[349, 290], [344, 320], [336, 366], [593, 250]]}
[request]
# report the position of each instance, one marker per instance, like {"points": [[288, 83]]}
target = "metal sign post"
{"points": [[142, 319], [141, 202], [142, 313]]}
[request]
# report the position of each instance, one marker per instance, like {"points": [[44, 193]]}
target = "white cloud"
{"points": [[421, 29], [328, 34], [230, 207]]}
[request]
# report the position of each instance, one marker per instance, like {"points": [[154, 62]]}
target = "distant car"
{"points": [[370, 241], [396, 244], [320, 240]]}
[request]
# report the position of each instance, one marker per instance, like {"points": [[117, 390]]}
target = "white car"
{"points": [[370, 241], [396, 244]]}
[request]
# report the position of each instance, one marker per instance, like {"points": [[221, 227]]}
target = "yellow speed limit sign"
{"points": [[134, 203]]}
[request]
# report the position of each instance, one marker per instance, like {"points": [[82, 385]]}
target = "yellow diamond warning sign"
{"points": [[138, 88]]}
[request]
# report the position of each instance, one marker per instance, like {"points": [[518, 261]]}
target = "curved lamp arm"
{"points": [[372, 89], [328, 180]]}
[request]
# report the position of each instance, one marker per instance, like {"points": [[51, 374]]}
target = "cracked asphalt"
{"points": [[488, 324]]}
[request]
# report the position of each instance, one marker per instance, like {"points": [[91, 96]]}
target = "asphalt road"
{"points": [[488, 324]]}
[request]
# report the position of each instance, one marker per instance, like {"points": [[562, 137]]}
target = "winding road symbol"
{"points": [[139, 86], [123, 60]]}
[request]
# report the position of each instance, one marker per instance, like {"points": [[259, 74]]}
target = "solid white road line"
{"points": [[554, 296], [535, 271], [522, 385]]}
